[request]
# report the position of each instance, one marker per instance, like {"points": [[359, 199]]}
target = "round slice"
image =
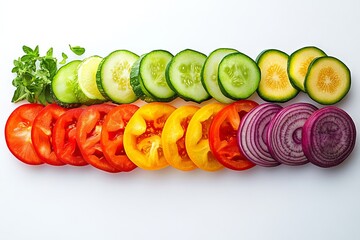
{"points": [[299, 62], [275, 84], [64, 83], [113, 76], [239, 76], [18, 133], [328, 80], [284, 135], [87, 78], [209, 75], [252, 134], [328, 137], [183, 75]]}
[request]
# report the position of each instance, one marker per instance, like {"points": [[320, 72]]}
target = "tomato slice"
{"points": [[112, 136], [142, 136], [18, 133], [64, 138], [88, 134], [41, 133], [173, 138], [223, 135], [197, 137]]}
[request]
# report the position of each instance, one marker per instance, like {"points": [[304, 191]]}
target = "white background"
{"points": [[305, 202]]}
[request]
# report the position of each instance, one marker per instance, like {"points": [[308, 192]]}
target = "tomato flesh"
{"points": [[112, 136], [41, 134], [88, 134], [223, 135], [64, 138], [18, 133]]}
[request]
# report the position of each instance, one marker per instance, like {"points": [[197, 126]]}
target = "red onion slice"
{"points": [[285, 134], [252, 134], [329, 137]]}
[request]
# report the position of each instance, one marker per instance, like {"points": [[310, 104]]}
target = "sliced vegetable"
{"points": [[252, 134], [173, 138], [64, 84], [87, 90], [183, 74], [223, 135], [88, 133], [328, 137], [284, 135], [328, 80], [209, 75], [64, 138], [197, 138], [299, 62], [275, 85], [239, 76], [148, 77], [112, 136], [113, 76], [41, 133], [18, 133], [142, 136]]}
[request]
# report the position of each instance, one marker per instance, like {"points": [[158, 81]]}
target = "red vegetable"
{"points": [[41, 133], [223, 138], [252, 134], [329, 137], [18, 133], [88, 133], [112, 135], [285, 133], [64, 138]]}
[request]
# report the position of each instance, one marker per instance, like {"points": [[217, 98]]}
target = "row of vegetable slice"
{"points": [[225, 74], [240, 135]]}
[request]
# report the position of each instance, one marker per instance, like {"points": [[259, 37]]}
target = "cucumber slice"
{"points": [[183, 74], [275, 84], [328, 80], [209, 75], [148, 77], [64, 83], [87, 79], [299, 62], [113, 76], [239, 76]]}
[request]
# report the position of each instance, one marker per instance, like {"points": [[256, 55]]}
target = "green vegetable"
{"points": [[77, 50], [33, 76]]}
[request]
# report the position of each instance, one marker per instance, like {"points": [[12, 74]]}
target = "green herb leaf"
{"points": [[64, 58], [77, 50]]}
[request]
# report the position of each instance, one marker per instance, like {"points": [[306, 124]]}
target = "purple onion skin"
{"points": [[252, 134], [284, 135], [329, 137]]}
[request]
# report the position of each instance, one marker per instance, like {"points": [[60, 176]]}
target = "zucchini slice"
{"points": [[328, 80], [113, 76], [183, 74], [299, 62], [239, 76], [275, 84], [209, 74]]}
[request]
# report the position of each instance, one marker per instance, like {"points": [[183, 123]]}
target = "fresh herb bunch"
{"points": [[34, 74]]}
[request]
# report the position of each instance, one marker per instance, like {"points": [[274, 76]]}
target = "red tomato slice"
{"points": [[88, 133], [18, 133], [64, 138], [41, 133], [112, 136], [223, 135]]}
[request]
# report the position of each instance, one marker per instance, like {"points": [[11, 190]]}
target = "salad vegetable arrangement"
{"points": [[84, 113]]}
